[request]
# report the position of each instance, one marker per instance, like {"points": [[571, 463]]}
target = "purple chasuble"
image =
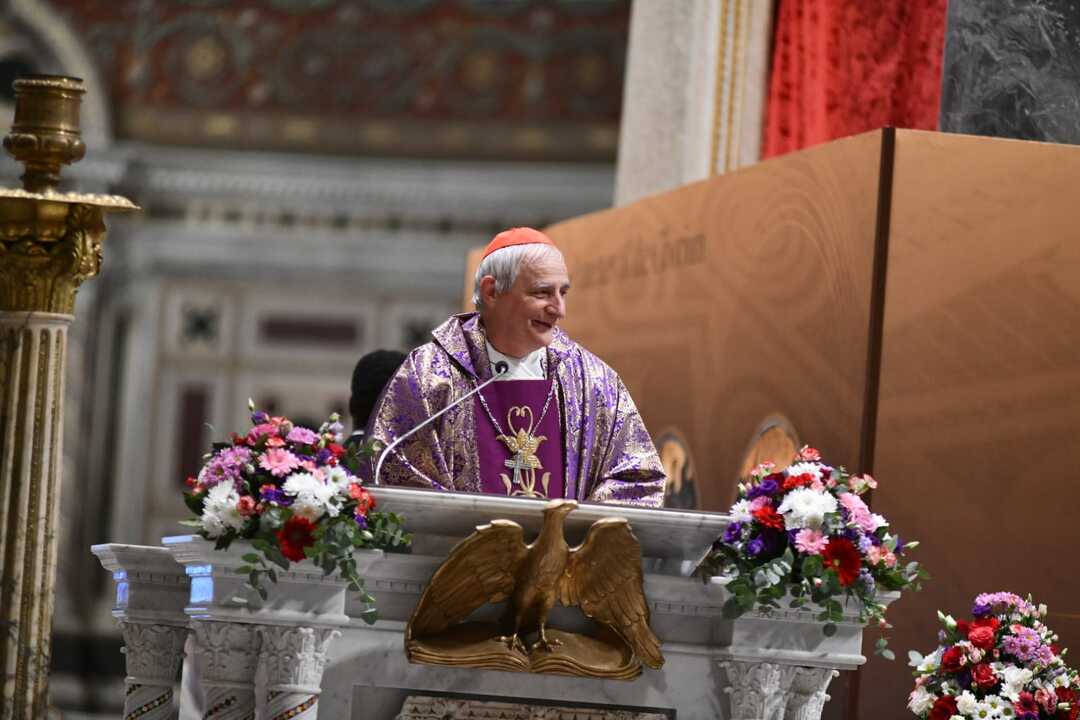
{"points": [[519, 405]]}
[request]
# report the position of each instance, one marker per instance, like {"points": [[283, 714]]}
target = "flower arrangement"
{"points": [[294, 494], [1003, 663], [806, 532]]}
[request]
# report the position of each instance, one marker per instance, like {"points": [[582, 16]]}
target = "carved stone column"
{"points": [[295, 658], [153, 655], [225, 657], [774, 691], [755, 690], [49, 244]]}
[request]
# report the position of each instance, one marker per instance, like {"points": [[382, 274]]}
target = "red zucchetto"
{"points": [[517, 236]]}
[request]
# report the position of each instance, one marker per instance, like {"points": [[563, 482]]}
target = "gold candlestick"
{"points": [[50, 243]]}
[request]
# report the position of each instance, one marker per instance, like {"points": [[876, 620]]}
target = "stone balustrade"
{"points": [[304, 652]]}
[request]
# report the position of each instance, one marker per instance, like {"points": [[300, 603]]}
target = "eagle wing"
{"points": [[603, 577], [481, 569]]}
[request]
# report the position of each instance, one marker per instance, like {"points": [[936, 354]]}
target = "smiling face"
{"points": [[523, 318]]}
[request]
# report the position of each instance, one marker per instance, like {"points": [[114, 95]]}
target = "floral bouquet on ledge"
{"points": [[805, 533], [1003, 663], [293, 493]]}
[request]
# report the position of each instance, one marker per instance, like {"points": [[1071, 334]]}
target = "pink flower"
{"points": [[809, 453], [862, 483], [275, 442], [246, 505], [889, 559], [259, 431], [759, 502], [303, 436], [858, 511], [811, 542], [278, 462]]}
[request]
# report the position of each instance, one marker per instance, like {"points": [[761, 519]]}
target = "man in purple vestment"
{"points": [[559, 423]]}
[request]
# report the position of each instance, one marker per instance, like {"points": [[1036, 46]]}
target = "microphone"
{"points": [[501, 368]]}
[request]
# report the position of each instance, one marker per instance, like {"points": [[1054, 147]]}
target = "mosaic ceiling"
{"points": [[513, 79]]}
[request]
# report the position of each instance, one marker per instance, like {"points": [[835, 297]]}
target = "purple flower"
{"points": [[1024, 644], [733, 533], [226, 466], [899, 545], [865, 544], [1027, 716], [768, 486], [361, 521], [259, 418], [323, 456], [274, 495], [981, 610], [755, 547], [963, 678]]}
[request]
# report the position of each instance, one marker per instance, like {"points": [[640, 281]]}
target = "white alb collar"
{"points": [[530, 367]]}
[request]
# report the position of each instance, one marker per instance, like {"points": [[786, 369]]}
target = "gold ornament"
{"points": [[602, 576]]}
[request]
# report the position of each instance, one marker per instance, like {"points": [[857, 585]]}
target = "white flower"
{"points": [[804, 468], [998, 707], [314, 497], [740, 511], [967, 703], [920, 701], [1015, 680], [806, 508], [219, 510], [879, 521], [930, 663], [339, 479]]}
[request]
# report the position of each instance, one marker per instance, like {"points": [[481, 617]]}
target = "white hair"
{"points": [[504, 264]]}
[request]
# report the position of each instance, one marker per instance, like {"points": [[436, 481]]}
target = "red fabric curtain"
{"points": [[841, 67]]}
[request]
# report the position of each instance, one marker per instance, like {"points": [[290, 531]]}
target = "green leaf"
{"points": [[197, 524], [244, 570], [732, 609], [251, 558], [369, 616], [272, 574]]}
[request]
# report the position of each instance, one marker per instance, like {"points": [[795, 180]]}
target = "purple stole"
{"points": [[497, 462]]}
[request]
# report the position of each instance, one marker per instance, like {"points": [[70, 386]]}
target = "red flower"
{"points": [[768, 517], [338, 450], [944, 708], [842, 557], [963, 627], [295, 536], [981, 637], [191, 482], [798, 481], [983, 676], [952, 660], [1026, 704], [1067, 695], [991, 622], [364, 500], [238, 439]]}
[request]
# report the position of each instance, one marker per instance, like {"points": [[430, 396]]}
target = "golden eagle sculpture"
{"points": [[602, 576]]}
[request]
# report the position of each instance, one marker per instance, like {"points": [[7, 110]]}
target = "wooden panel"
{"points": [[977, 443], [729, 300]]}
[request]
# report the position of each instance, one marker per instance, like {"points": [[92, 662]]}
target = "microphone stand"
{"points": [[501, 368]]}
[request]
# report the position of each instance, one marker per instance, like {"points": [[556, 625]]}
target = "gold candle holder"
{"points": [[45, 134]]}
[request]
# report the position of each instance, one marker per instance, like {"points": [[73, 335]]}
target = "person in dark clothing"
{"points": [[369, 377]]}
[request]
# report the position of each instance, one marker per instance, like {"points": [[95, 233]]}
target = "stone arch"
{"points": [[42, 35]]}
